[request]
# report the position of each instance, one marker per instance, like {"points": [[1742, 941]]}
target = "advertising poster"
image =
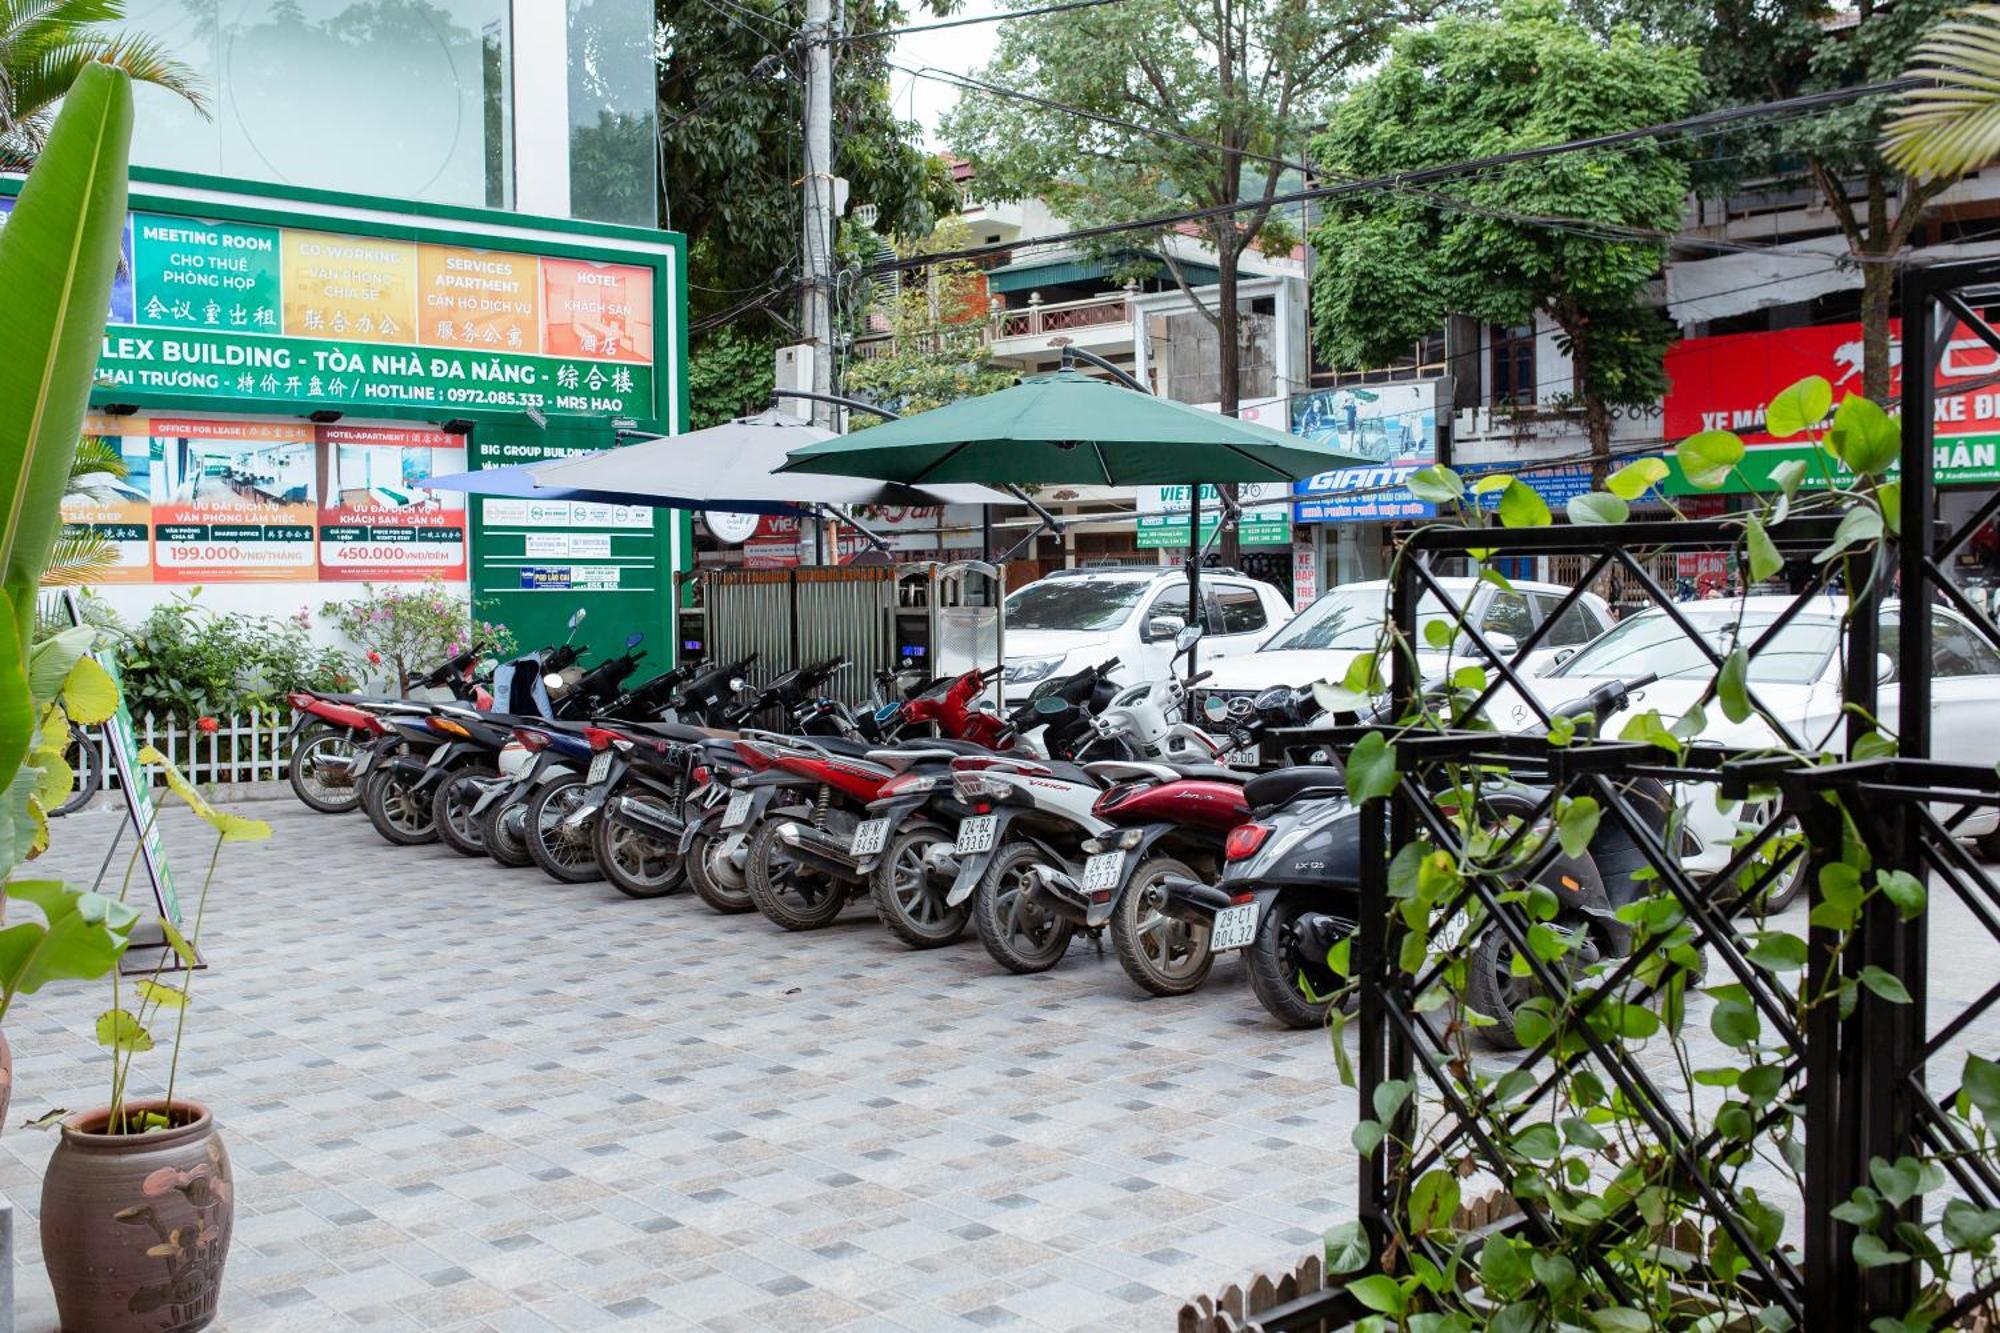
{"points": [[1393, 426], [119, 508], [478, 298], [1163, 515], [376, 520], [233, 501], [1726, 383], [205, 275], [338, 285], [600, 311], [121, 282]]}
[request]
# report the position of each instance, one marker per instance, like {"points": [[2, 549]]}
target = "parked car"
{"points": [[1797, 676], [1323, 640], [1075, 618]]}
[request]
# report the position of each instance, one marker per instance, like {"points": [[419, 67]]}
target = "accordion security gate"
{"points": [[1857, 1097]]}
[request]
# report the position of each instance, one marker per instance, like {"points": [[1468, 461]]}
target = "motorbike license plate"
{"points": [[869, 837], [1103, 871], [975, 835], [600, 765], [1250, 756], [1451, 934], [1234, 928], [361, 762], [738, 809]]}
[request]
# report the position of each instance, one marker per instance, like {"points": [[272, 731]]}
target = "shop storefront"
{"points": [[283, 369], [1348, 517]]}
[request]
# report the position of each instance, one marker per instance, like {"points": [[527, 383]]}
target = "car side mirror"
{"points": [[1563, 655], [1885, 667], [1503, 644], [1163, 627]]}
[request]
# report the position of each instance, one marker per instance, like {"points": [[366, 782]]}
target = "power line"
{"points": [[1395, 180], [1001, 17]]}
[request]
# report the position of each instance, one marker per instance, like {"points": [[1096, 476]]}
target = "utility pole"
{"points": [[817, 315]]}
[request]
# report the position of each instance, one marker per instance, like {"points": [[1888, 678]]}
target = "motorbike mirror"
{"points": [[1186, 637], [1215, 709], [635, 638], [576, 618], [488, 665], [736, 683], [1051, 704]]}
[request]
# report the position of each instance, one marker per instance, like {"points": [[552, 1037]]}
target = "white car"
{"points": [[1323, 640], [1797, 676], [1076, 618]]}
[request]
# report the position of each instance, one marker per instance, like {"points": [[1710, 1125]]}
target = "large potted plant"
{"points": [[138, 1202]]}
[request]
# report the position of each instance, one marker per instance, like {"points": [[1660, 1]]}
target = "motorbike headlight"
{"points": [[736, 684], [553, 680], [1028, 670]]}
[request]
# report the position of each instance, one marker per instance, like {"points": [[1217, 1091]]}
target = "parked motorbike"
{"points": [[1291, 879], [329, 728]]}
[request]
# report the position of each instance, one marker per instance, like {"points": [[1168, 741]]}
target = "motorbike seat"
{"points": [[1289, 784], [1215, 773], [956, 747], [1064, 771], [667, 731], [841, 745]]}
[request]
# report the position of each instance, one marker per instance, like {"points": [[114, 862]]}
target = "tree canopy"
{"points": [[1393, 264]]}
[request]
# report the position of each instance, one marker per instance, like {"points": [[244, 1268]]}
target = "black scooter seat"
{"points": [[1066, 772], [840, 745], [1216, 773], [955, 747], [1289, 784], [678, 732]]}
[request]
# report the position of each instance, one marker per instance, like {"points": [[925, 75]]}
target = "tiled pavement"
{"points": [[458, 1097]]}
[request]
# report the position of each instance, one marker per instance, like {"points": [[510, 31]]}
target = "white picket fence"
{"points": [[245, 748]]}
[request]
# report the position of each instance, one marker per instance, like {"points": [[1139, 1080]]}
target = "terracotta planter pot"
{"points": [[135, 1227]]}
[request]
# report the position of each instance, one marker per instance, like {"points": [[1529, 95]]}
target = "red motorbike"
{"points": [[330, 727]]}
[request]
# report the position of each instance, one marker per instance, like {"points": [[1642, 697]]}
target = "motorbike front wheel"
{"points": [[906, 897], [451, 809], [713, 871], [1281, 975], [1022, 933], [400, 813], [312, 787], [785, 891], [1492, 988], [637, 864], [562, 850], [1163, 954]]}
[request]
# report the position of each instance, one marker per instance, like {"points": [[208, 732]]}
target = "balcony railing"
{"points": [[1062, 317]]}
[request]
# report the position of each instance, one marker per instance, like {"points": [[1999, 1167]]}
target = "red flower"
{"points": [[374, 658], [207, 724]]}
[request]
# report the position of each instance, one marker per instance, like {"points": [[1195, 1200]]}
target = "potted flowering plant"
{"points": [[138, 1202]]}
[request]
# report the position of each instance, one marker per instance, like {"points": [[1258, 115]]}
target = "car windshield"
{"points": [[1652, 643], [1349, 618], [1075, 604]]}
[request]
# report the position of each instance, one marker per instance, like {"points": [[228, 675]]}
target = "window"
{"points": [[1242, 609], [1507, 613], [1171, 602], [1426, 361], [1513, 374], [1958, 650], [1076, 604], [1576, 627]]}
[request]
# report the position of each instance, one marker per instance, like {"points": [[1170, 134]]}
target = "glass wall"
{"points": [[613, 112], [407, 98]]}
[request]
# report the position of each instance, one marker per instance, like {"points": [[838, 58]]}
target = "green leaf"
{"points": [[1389, 1096], [1799, 406], [1765, 562], [1778, 951], [1436, 485], [1622, 1319], [121, 1031], [1562, 730], [1366, 1136], [1346, 1249], [1787, 476], [1434, 1201], [59, 253], [1863, 436], [1982, 1087], [1874, 745], [1859, 524], [88, 694], [1538, 1142], [1597, 507], [1903, 889], [1378, 1292], [52, 659], [1885, 984], [1577, 824], [80, 938], [178, 942], [1735, 1023], [1707, 459], [1437, 633], [1371, 768], [1637, 477], [1966, 1226], [1491, 482], [1471, 678], [167, 997], [1870, 1251], [1362, 677], [1732, 685], [1522, 506], [17, 713]]}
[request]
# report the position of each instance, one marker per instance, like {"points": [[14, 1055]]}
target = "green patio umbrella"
{"points": [[1068, 428]]}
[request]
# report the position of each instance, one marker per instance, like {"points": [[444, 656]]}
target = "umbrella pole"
{"points": [[1194, 569]]}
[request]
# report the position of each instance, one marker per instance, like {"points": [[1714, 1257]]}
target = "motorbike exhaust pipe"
{"points": [[1190, 899], [818, 849], [643, 817]]}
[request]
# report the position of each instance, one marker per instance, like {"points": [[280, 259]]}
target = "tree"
{"points": [[731, 373], [1953, 127], [45, 44], [1245, 79], [1394, 263], [939, 352], [1787, 48]]}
